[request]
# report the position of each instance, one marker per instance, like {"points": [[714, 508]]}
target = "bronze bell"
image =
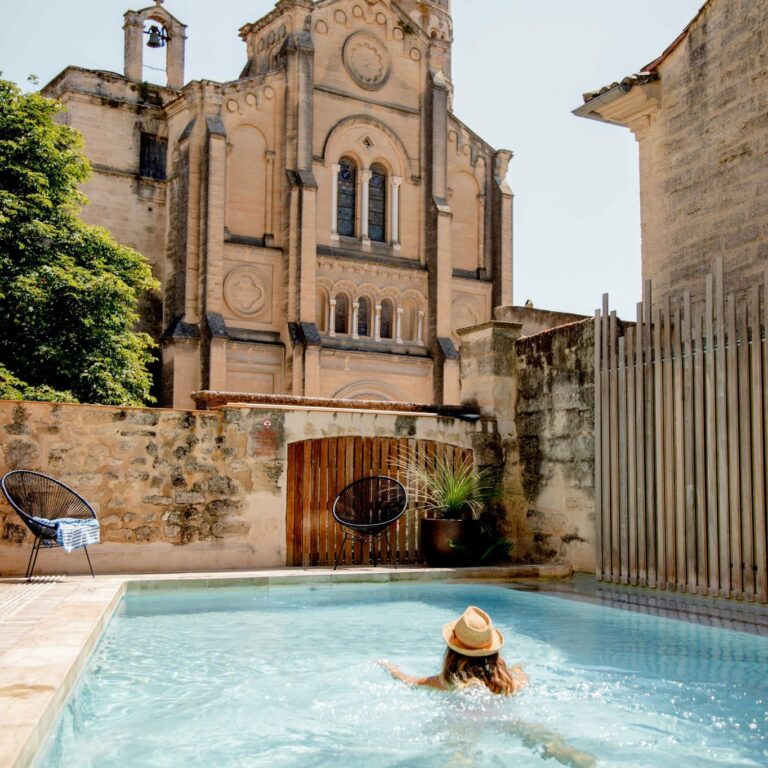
{"points": [[157, 37]]}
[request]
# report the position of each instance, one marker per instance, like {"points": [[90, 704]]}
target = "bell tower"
{"points": [[434, 17], [168, 32]]}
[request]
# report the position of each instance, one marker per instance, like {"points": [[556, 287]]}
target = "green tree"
{"points": [[68, 291]]}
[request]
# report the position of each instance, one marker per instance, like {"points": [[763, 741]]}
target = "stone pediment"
{"points": [[158, 12]]}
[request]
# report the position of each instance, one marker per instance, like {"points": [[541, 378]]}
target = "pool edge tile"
{"points": [[28, 740]]}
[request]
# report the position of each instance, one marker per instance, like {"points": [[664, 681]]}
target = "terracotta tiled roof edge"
{"points": [[649, 72], [626, 85]]}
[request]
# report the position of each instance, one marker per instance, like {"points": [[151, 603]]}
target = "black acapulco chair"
{"points": [[34, 495], [367, 508]]}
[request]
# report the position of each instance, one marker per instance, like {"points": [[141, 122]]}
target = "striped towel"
{"points": [[73, 533]]}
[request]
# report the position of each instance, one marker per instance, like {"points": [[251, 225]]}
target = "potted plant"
{"points": [[453, 494]]}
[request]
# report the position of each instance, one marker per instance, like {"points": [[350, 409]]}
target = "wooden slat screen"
{"points": [[681, 435], [319, 469]]}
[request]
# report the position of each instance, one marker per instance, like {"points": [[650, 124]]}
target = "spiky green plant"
{"points": [[446, 488]]}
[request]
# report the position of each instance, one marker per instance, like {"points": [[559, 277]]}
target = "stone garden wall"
{"points": [[184, 490], [555, 433], [540, 391]]}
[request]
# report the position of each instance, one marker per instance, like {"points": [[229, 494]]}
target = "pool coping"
{"points": [[41, 668]]}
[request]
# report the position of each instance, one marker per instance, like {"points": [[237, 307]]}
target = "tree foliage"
{"points": [[68, 291]]}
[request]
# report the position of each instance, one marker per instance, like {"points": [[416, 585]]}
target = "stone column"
{"points": [[174, 61], [394, 208], [134, 46], [355, 317], [365, 179], [399, 332], [335, 201], [420, 328], [377, 324], [332, 319]]}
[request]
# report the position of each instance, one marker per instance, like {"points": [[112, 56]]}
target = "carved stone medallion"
{"points": [[367, 60], [245, 291]]}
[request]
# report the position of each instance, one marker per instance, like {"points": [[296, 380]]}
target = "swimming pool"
{"points": [[287, 677]]}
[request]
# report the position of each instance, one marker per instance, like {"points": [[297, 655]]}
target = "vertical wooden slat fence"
{"points": [[681, 440], [319, 469]]}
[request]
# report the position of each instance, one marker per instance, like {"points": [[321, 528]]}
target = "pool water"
{"points": [[287, 676]]}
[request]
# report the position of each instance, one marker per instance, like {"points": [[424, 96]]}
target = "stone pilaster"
{"points": [[302, 245], [489, 382], [215, 193], [439, 261], [501, 222]]}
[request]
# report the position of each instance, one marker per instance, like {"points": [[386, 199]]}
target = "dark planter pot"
{"points": [[450, 543]]}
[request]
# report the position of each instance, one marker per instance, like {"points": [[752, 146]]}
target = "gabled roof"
{"points": [[653, 66], [159, 9]]}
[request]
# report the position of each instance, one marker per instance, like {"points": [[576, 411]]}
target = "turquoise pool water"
{"points": [[287, 677]]}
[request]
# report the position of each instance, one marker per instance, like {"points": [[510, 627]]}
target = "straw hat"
{"points": [[473, 634]]}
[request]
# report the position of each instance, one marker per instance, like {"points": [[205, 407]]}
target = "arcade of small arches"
{"points": [[385, 316]]}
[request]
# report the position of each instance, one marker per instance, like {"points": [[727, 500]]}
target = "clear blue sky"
{"points": [[520, 67]]}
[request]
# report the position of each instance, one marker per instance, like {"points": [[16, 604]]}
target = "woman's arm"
{"points": [[519, 677], [433, 681]]}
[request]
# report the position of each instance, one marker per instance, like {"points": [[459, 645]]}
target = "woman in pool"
{"points": [[472, 658]]}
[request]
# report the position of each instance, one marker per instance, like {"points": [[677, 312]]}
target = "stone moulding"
{"points": [[209, 400]]}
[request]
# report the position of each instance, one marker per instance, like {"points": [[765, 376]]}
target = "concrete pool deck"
{"points": [[49, 628]]}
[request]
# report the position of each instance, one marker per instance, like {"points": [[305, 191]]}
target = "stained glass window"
{"points": [[387, 312], [377, 204], [342, 314], [364, 317], [347, 197]]}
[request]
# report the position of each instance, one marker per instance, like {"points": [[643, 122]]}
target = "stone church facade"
{"points": [[321, 226]]}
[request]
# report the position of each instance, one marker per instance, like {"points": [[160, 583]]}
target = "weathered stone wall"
{"points": [[555, 439], [704, 154], [533, 320], [540, 392], [184, 490]]}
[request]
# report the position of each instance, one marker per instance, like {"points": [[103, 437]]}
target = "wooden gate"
{"points": [[680, 435], [319, 469]]}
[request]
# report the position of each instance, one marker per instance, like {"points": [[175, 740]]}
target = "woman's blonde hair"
{"points": [[491, 671]]}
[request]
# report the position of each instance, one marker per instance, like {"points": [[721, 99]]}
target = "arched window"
{"points": [[377, 204], [387, 314], [341, 320], [347, 197], [363, 317], [408, 331]]}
